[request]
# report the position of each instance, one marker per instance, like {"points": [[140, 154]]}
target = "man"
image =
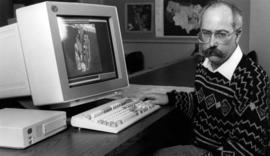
{"points": [[229, 104]]}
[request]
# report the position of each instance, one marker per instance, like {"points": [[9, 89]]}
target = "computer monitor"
{"points": [[62, 53]]}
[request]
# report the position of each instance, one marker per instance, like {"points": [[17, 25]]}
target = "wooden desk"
{"points": [[75, 142]]}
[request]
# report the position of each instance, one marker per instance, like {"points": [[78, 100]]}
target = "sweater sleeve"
{"points": [[183, 100]]}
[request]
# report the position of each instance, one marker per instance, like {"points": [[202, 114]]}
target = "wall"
{"points": [[260, 31]]}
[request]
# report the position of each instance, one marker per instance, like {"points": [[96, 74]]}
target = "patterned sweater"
{"points": [[229, 117]]}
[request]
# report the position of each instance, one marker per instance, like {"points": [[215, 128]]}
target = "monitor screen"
{"points": [[88, 49]]}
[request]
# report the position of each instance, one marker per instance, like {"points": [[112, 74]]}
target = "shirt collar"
{"points": [[228, 67]]}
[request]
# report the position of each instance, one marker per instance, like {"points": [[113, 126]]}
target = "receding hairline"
{"points": [[236, 12]]}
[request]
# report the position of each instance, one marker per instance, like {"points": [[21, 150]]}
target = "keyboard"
{"points": [[114, 116]]}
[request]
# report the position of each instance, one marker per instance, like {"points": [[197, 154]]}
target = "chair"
{"points": [[134, 62], [253, 56]]}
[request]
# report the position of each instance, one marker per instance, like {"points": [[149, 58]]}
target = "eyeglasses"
{"points": [[204, 36]]}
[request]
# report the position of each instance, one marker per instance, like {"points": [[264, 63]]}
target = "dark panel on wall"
{"points": [[6, 11]]}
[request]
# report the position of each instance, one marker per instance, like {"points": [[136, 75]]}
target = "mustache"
{"points": [[212, 51]]}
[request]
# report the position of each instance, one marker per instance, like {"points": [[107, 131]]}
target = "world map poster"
{"points": [[176, 18]]}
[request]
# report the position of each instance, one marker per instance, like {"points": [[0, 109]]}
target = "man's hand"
{"points": [[156, 98]]}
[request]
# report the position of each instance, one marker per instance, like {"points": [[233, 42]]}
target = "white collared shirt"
{"points": [[228, 67]]}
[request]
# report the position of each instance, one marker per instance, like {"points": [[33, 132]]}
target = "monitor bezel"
{"points": [[55, 88]]}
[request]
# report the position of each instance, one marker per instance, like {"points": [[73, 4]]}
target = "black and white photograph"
{"points": [[134, 78], [139, 17]]}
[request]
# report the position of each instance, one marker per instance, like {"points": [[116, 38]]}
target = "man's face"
{"points": [[215, 21]]}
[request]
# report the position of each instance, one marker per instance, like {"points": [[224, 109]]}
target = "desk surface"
{"points": [[82, 142]]}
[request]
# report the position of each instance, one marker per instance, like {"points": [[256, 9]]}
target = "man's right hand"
{"points": [[156, 98]]}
